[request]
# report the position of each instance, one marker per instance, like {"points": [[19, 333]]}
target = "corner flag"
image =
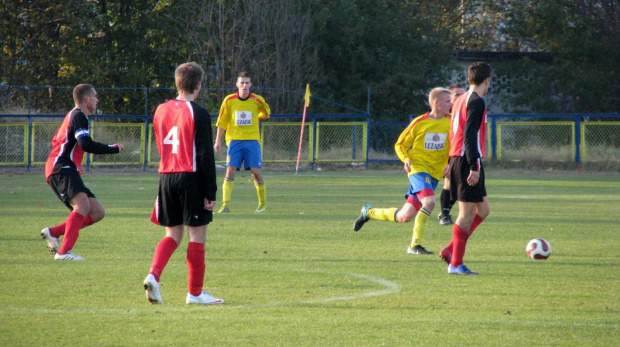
{"points": [[303, 124], [308, 95]]}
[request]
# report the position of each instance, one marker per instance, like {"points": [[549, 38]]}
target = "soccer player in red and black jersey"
{"points": [[187, 184], [466, 174], [63, 170]]}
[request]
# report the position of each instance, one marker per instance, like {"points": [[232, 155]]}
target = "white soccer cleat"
{"points": [[152, 290], [261, 208], [52, 241], [204, 298], [67, 256]]}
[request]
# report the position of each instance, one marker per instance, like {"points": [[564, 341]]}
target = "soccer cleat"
{"points": [[52, 241], [445, 220], [67, 256], [261, 208], [445, 255], [460, 270], [152, 290], [418, 250], [363, 218], [204, 298], [223, 209]]}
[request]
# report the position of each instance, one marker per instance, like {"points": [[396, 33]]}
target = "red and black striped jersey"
{"points": [[184, 140], [468, 130], [70, 142]]}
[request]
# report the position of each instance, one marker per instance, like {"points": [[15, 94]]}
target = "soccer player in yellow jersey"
{"points": [[423, 148], [239, 117]]}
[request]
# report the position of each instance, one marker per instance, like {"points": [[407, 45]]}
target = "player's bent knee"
{"points": [[429, 206], [405, 217], [97, 215]]}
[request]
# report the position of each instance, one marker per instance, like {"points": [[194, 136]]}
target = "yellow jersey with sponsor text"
{"points": [[425, 143], [240, 117]]}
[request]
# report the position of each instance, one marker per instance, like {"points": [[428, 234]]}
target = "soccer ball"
{"points": [[538, 249]]}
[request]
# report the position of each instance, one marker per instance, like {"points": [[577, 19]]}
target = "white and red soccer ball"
{"points": [[538, 249]]}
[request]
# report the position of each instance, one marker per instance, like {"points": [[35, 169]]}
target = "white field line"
{"points": [[389, 288]]}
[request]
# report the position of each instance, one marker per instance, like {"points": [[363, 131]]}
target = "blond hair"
{"points": [[434, 94]]}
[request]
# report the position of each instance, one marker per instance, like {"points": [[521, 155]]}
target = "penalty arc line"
{"points": [[389, 288]]}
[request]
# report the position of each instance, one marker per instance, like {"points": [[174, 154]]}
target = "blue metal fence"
{"points": [[587, 131]]}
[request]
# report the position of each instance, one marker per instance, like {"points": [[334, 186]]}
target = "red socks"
{"points": [[459, 240], [195, 262], [72, 231], [87, 221], [195, 267], [59, 230], [474, 224], [163, 252]]}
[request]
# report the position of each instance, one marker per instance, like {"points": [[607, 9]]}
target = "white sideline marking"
{"points": [[389, 288]]}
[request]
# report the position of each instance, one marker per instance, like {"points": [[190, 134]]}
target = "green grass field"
{"points": [[298, 275]]}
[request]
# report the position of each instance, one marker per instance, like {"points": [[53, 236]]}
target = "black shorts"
{"points": [[181, 201], [459, 188], [67, 184]]}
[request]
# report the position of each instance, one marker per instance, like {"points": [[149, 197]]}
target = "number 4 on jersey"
{"points": [[173, 139]]}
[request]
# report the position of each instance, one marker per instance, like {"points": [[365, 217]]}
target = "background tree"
{"points": [[105, 43], [269, 39], [584, 38], [37, 37], [400, 49], [390, 46]]}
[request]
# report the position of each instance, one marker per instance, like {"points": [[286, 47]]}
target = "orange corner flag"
{"points": [[308, 94]]}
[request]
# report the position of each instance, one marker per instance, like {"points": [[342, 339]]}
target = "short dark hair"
{"points": [[244, 74], [188, 76], [478, 72], [456, 85], [82, 90]]}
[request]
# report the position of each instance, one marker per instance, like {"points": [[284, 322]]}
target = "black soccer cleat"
{"points": [[363, 218], [445, 220]]}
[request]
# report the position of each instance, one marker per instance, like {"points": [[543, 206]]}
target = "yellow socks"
{"points": [[421, 220], [260, 191], [386, 214], [227, 188]]}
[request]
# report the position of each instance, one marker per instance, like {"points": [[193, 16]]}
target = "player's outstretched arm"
{"points": [[88, 145]]}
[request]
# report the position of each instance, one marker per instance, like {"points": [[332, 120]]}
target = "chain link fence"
{"points": [[592, 140], [600, 141], [29, 142], [346, 140], [13, 137], [343, 136], [540, 141]]}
